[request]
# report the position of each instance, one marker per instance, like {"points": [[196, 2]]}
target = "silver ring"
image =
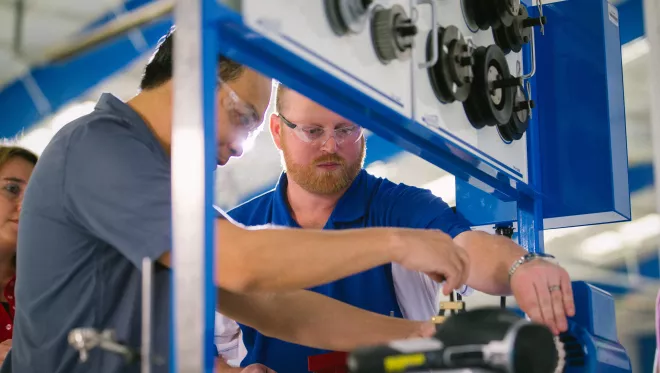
{"points": [[554, 287]]}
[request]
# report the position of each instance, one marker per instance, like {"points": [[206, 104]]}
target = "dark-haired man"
{"points": [[99, 202]]}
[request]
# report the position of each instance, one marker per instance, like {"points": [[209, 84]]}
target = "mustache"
{"points": [[329, 158]]}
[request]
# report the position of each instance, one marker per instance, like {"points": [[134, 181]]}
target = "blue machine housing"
{"points": [[580, 122], [591, 342]]}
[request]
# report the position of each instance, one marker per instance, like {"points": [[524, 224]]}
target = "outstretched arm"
{"points": [[310, 319]]}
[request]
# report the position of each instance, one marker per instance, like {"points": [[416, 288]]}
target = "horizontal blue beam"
{"points": [[46, 89], [127, 6]]}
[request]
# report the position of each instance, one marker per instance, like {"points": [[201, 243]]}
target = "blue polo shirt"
{"points": [[369, 202]]}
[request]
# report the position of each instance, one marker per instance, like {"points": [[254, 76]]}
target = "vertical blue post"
{"points": [[530, 207], [193, 165]]}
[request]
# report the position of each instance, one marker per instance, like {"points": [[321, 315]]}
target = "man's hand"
{"points": [[426, 330], [434, 253], [221, 366], [543, 291], [4, 349]]}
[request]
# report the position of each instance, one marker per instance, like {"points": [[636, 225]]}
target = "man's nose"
{"points": [[236, 149], [330, 145]]}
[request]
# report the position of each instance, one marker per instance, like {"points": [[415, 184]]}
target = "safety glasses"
{"points": [[345, 133], [242, 115]]}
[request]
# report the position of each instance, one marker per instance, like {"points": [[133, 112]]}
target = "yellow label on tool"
{"points": [[394, 364]]}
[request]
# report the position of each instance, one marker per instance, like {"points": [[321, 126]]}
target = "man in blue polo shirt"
{"points": [[325, 187]]}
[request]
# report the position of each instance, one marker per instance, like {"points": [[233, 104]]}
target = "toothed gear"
{"points": [[392, 33], [561, 358]]}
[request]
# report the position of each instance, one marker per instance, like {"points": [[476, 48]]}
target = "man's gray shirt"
{"points": [[98, 202]]}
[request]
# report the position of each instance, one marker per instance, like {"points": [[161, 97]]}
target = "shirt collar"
{"points": [[350, 207], [108, 102]]}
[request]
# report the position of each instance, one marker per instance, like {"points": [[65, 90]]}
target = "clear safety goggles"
{"points": [[346, 133], [241, 114]]}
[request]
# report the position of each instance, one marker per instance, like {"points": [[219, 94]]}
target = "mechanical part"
{"points": [[490, 101], [513, 37], [516, 127], [392, 33], [84, 340], [347, 16], [489, 338], [451, 76], [482, 14], [434, 53]]}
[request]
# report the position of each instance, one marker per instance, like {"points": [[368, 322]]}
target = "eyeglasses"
{"points": [[242, 115], [348, 133]]}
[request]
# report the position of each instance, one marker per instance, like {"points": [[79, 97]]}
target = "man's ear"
{"points": [[276, 130]]}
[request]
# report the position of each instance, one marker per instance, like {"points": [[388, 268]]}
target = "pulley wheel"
{"points": [[451, 76], [333, 14], [516, 127], [489, 103]]}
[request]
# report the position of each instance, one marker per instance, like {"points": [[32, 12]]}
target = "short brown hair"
{"points": [[9, 152], [279, 100]]}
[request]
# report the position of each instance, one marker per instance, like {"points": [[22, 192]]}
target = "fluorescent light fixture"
{"points": [[36, 140], [629, 236], [634, 50], [552, 234], [639, 230], [443, 187], [602, 244], [378, 169], [71, 113]]}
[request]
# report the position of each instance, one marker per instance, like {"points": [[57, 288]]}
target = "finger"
{"points": [[567, 294], [545, 303], [558, 310]]}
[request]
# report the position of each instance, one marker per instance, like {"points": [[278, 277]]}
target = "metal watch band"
{"points": [[525, 259]]}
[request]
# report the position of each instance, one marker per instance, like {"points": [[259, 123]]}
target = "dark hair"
{"points": [[159, 68]]}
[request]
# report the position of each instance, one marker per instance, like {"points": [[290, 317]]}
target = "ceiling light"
{"points": [[602, 244], [634, 50], [378, 169], [444, 187], [71, 113]]}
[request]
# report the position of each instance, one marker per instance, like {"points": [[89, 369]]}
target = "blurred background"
{"points": [[37, 99]]}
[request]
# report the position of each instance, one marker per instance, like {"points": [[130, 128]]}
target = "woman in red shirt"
{"points": [[16, 165]]}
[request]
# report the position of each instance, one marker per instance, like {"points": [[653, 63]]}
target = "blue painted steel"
{"points": [[581, 112], [591, 342], [631, 20], [647, 346], [62, 82]]}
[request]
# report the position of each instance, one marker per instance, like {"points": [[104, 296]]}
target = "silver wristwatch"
{"points": [[525, 259]]}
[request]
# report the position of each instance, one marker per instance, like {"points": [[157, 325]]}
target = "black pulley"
{"points": [[483, 14], [451, 76], [346, 16], [516, 127], [513, 37], [490, 101]]}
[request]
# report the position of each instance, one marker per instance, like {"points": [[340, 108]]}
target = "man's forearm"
{"points": [[288, 259], [314, 320], [491, 257]]}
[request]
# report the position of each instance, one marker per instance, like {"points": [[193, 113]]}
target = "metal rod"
{"points": [[147, 313], [119, 26], [189, 187]]}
